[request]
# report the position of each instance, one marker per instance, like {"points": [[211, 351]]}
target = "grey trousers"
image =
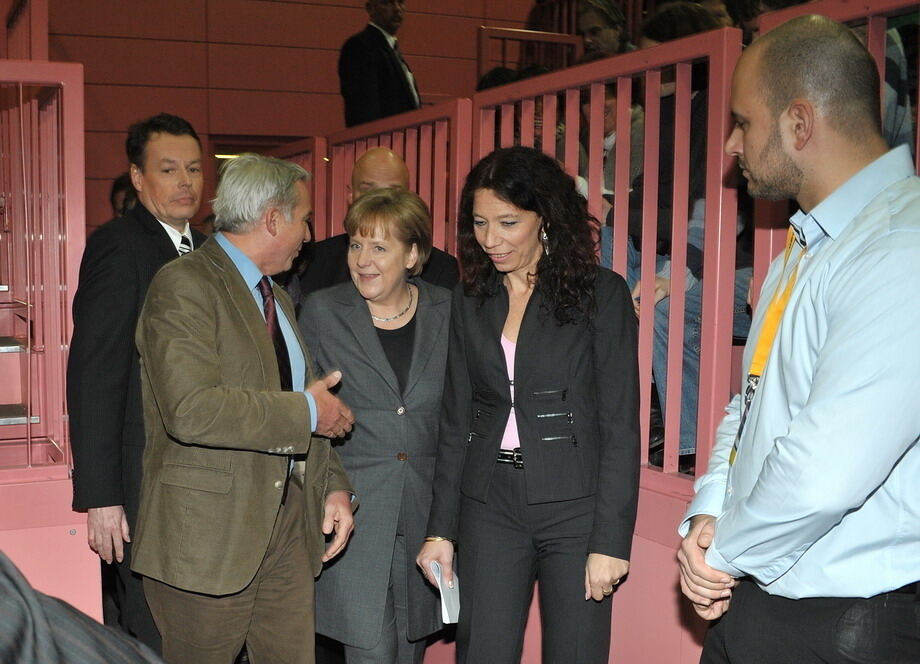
{"points": [[393, 646]]}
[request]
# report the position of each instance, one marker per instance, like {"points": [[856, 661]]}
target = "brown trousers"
{"points": [[273, 615]]}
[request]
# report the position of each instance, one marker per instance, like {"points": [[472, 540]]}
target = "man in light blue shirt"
{"points": [[807, 524]]}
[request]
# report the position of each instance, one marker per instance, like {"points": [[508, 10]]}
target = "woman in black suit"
{"points": [[537, 468]]}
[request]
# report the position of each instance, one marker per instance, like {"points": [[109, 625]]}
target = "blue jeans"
{"points": [[693, 306]]}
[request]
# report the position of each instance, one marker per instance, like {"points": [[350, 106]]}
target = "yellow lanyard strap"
{"points": [[775, 311]]}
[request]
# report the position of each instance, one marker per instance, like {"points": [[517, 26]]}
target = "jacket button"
{"points": [[401, 410], [402, 456], [279, 484]]}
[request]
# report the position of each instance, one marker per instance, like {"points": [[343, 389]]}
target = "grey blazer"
{"points": [[389, 457]]}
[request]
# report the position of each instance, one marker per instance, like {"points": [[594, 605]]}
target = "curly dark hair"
{"points": [[530, 180]]}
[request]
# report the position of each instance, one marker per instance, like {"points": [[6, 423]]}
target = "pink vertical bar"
{"points": [[719, 258], [424, 163], [411, 157], [648, 250], [548, 122], [485, 131], [875, 43], [440, 175], [572, 111], [595, 150], [384, 140], [398, 143], [371, 142], [527, 120], [319, 168], [342, 163], [360, 147], [461, 155], [676, 303], [771, 219], [622, 175], [507, 125]]}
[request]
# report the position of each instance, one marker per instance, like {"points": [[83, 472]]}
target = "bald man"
{"points": [[376, 168], [804, 535]]}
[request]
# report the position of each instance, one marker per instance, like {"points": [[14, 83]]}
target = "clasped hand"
{"points": [[709, 589], [333, 418]]}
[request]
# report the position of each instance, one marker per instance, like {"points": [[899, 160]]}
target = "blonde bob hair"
{"points": [[398, 213]]}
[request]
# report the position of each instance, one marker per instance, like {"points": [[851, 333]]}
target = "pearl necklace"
{"points": [[381, 319]]}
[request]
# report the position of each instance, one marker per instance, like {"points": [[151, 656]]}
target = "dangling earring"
{"points": [[544, 240]]}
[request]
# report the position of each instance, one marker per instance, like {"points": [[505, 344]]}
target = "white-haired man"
{"points": [[237, 489]]}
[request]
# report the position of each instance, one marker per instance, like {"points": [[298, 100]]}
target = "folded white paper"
{"points": [[450, 597]]}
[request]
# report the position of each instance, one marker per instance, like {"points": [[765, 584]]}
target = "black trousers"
{"points": [[504, 546], [760, 628]]}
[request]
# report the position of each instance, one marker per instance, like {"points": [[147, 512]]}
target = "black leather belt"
{"points": [[511, 456]]}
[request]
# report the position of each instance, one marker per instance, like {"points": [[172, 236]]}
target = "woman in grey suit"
{"points": [[538, 452], [387, 332]]}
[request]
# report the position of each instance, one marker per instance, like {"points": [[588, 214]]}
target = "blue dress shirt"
{"points": [[252, 276], [824, 497]]}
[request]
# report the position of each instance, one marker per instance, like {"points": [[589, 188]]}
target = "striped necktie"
{"points": [[185, 245]]}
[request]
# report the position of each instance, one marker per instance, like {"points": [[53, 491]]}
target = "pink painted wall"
{"points": [[251, 68]]}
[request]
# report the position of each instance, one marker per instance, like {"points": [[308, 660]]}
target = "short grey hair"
{"points": [[250, 184]]}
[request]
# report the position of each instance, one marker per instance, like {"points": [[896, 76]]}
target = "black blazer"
{"points": [[103, 373], [328, 266], [576, 403], [371, 79]]}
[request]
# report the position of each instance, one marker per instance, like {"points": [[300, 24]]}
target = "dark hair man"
{"points": [[374, 78], [103, 379], [237, 491], [804, 533]]}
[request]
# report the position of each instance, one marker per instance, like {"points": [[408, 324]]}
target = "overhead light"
{"points": [[226, 156]]}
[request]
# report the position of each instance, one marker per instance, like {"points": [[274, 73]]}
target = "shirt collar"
{"points": [[251, 274], [175, 235], [832, 215], [391, 40]]}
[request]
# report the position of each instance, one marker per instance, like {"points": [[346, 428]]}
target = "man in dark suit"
{"points": [[237, 490], [376, 168], [374, 78], [103, 379]]}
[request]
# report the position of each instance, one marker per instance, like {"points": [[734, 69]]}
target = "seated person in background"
{"points": [[602, 26], [122, 197], [376, 168], [636, 140]]}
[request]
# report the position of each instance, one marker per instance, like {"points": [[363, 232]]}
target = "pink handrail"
{"points": [[566, 48], [311, 154], [434, 142]]}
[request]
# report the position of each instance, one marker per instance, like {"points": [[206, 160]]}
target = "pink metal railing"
{"points": [[521, 113], [521, 48], [434, 142], [311, 154], [41, 184]]}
